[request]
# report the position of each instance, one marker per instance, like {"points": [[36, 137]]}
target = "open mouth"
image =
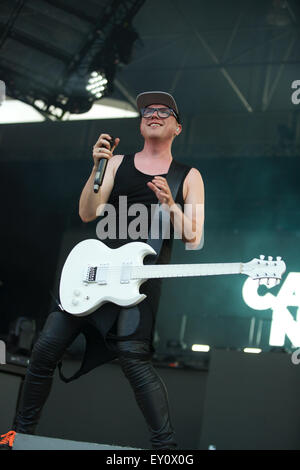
{"points": [[155, 124]]}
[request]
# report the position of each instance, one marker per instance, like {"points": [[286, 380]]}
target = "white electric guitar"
{"points": [[94, 274]]}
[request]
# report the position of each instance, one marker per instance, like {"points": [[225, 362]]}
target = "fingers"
{"points": [[104, 147], [103, 141], [161, 184], [162, 193], [116, 143], [160, 178], [155, 188], [101, 152]]}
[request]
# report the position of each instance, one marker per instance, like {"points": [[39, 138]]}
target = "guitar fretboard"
{"points": [[184, 270]]}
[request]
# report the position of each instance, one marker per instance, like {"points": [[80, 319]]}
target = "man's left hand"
{"points": [[160, 187]]}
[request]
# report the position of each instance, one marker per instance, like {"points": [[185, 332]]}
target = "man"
{"points": [[115, 332]]}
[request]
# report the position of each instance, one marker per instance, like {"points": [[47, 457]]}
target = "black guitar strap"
{"points": [[160, 224]]}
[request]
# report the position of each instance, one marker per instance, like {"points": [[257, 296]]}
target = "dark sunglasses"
{"points": [[163, 113]]}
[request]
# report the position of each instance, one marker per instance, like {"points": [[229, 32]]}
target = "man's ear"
{"points": [[178, 129]]}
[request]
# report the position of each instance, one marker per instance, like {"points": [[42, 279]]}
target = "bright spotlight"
{"points": [[97, 84], [252, 350], [200, 347]]}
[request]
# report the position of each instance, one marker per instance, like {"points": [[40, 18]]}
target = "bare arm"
{"points": [[189, 222], [90, 203]]}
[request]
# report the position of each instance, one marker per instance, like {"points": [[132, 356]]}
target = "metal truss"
{"points": [[70, 85], [224, 63]]}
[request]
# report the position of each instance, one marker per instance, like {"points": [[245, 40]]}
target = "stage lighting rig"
{"points": [[56, 76]]}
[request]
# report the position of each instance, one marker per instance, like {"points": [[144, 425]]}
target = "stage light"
{"points": [[200, 347], [80, 79], [97, 84], [252, 350]]}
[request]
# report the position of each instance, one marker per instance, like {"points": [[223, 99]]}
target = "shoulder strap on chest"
{"points": [[175, 176]]}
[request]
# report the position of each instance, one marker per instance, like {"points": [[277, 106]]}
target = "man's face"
{"points": [[159, 128]]}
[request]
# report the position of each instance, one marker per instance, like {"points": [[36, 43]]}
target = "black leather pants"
{"points": [[59, 332]]}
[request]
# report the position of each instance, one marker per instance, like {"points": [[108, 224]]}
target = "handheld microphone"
{"points": [[101, 170]]}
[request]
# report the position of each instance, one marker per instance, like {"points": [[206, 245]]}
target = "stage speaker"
{"points": [[21, 336], [252, 402]]}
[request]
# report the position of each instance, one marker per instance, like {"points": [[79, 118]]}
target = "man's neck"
{"points": [[154, 149]]}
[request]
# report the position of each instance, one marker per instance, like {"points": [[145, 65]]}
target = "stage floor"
{"points": [[28, 442]]}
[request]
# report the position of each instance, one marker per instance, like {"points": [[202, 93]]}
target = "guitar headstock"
{"points": [[266, 271]]}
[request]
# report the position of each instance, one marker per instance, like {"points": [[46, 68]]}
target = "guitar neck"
{"points": [[184, 270]]}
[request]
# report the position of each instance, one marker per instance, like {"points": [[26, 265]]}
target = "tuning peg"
{"points": [[270, 258], [278, 258], [273, 282], [262, 257]]}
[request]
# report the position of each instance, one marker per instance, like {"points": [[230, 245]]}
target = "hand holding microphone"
{"points": [[102, 152]]}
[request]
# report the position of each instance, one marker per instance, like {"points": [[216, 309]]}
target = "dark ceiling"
{"points": [[218, 56]]}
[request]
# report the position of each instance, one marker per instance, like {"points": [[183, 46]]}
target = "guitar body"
{"points": [[81, 294]]}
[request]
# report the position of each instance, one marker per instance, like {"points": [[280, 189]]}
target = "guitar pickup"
{"points": [[126, 273], [97, 274]]}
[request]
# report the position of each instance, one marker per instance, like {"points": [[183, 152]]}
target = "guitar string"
{"points": [[185, 270]]}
